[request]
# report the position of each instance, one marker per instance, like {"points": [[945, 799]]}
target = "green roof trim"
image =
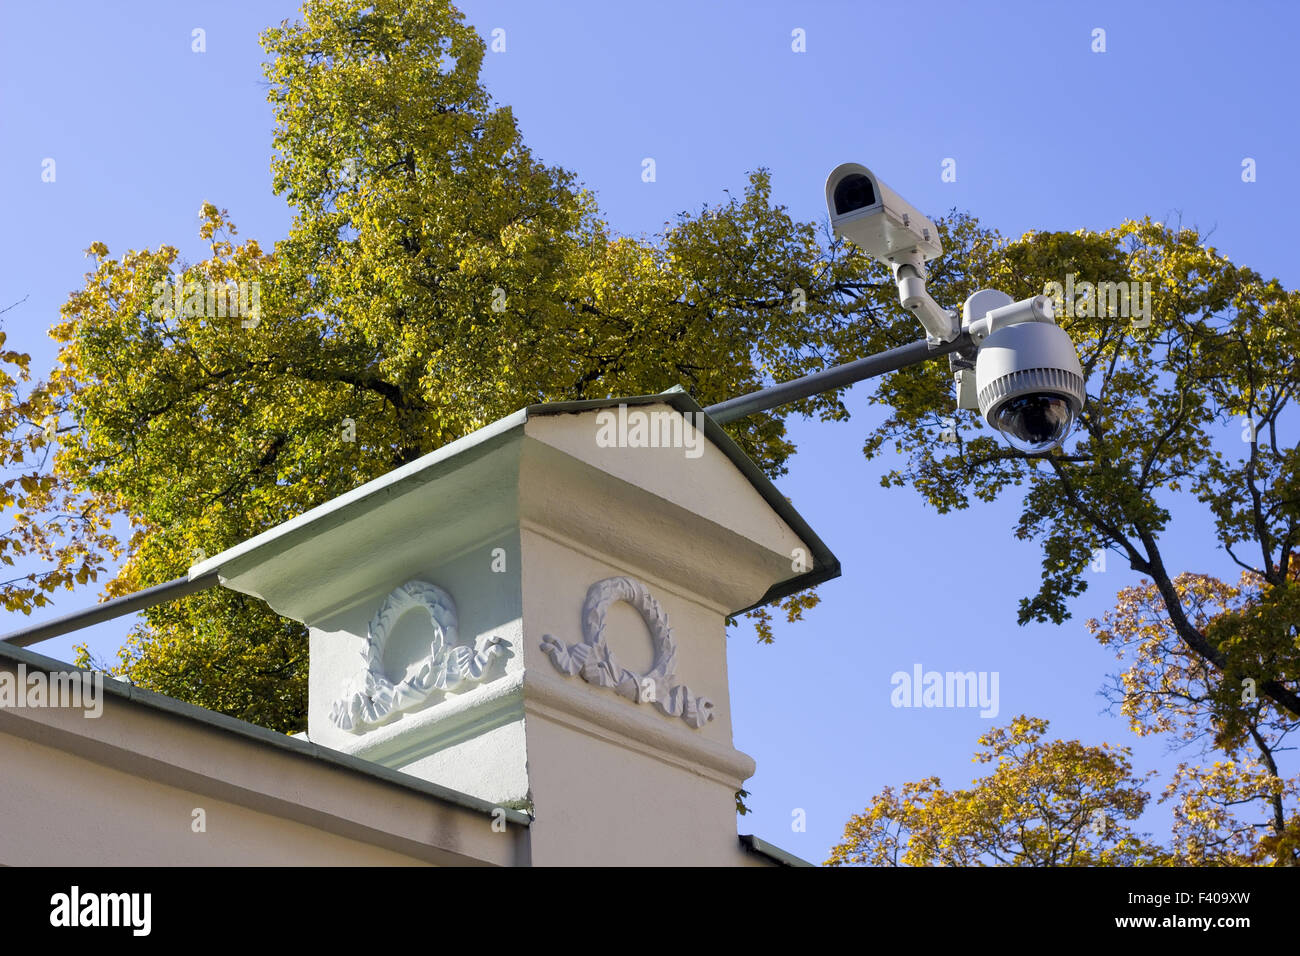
{"points": [[762, 848]]}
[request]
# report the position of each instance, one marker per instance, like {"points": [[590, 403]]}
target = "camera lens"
{"points": [[853, 192], [1034, 423]]}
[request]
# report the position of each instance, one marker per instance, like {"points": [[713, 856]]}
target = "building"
{"points": [[518, 657]]}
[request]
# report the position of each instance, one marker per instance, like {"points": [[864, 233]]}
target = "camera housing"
{"points": [[878, 220], [890, 230], [1029, 384], [1022, 372]]}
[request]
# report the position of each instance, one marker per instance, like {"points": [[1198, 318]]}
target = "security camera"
{"points": [[1018, 367], [890, 230], [1028, 383], [877, 220]]}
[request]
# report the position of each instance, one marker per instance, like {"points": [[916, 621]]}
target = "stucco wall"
{"points": [[63, 810], [121, 789]]}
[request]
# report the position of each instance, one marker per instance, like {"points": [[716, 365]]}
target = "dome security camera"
{"points": [[1028, 383]]}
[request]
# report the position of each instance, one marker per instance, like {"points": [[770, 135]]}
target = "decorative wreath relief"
{"points": [[595, 661], [373, 698]]}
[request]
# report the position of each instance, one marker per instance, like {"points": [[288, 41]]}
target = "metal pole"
{"points": [[111, 609], [832, 378], [722, 412]]}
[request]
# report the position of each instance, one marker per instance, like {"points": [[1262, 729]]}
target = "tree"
{"points": [[1061, 804], [1220, 346], [68, 532], [1045, 803], [1240, 810], [436, 277], [1192, 406]]}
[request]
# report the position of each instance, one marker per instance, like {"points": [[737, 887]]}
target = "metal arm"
{"points": [[75, 621], [722, 412], [940, 324], [832, 378]]}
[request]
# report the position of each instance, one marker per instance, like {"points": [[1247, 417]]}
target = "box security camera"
{"points": [[878, 220]]}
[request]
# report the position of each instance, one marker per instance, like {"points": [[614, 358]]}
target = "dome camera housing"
{"points": [[1030, 385]]}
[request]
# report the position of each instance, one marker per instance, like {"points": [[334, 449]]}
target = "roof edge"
{"points": [[825, 566], [768, 851], [265, 737]]}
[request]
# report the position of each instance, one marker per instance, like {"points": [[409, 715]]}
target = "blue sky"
{"points": [[1046, 135]]}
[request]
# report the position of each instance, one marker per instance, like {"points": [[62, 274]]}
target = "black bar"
{"points": [[832, 378], [169, 591]]}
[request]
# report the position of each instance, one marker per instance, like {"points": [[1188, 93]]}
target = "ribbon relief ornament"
{"points": [[450, 666], [595, 662]]}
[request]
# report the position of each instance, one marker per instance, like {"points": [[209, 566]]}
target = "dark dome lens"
{"points": [[1034, 424], [853, 192]]}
